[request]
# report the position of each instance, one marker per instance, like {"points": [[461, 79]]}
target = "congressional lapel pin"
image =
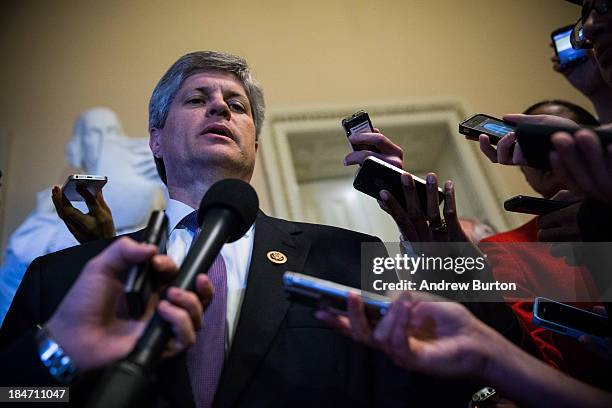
{"points": [[276, 257]]}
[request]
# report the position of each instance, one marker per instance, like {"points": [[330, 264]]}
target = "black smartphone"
{"points": [[536, 145], [92, 182], [140, 278], [359, 122], [569, 320], [376, 175], [323, 294], [533, 205], [480, 123], [567, 55]]}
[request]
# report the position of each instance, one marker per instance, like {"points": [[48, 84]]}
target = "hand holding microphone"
{"points": [[226, 212]]}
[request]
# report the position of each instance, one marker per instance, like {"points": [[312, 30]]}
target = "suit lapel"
{"points": [[264, 305]]}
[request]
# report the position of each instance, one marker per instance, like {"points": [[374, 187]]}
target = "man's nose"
{"points": [[218, 107]]}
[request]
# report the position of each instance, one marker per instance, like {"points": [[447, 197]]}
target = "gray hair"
{"points": [[194, 63]]}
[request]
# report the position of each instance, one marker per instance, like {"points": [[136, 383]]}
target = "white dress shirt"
{"points": [[237, 257]]}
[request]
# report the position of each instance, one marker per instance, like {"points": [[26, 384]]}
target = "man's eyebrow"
{"points": [[228, 93]]}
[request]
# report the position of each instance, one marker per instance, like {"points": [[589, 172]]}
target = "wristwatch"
{"points": [[484, 398], [54, 358]]}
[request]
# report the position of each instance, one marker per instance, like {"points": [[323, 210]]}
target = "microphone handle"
{"points": [[130, 378]]}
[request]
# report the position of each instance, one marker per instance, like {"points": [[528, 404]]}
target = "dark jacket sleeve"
{"points": [[21, 364], [24, 313]]}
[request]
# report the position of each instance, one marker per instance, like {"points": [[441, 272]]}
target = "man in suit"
{"points": [[257, 348]]}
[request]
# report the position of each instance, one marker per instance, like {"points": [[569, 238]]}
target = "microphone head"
{"points": [[236, 196]]}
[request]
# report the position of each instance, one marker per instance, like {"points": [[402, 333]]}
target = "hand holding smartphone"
{"points": [[567, 55], [359, 122], [570, 321], [534, 205], [536, 145], [376, 175]]}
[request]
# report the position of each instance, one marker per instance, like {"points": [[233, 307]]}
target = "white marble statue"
{"points": [[98, 146]]}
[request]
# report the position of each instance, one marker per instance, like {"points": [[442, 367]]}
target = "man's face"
{"points": [[209, 126], [598, 29]]}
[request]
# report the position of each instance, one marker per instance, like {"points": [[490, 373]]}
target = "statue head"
{"points": [[90, 129]]}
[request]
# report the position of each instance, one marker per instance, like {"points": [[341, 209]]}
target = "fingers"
{"points": [[189, 302], [391, 334], [455, 232], [120, 255], [359, 156], [562, 173], [340, 323], [399, 215], [593, 157], [433, 202], [600, 310], [398, 340], [413, 209], [89, 198], [204, 289], [600, 347], [181, 322], [487, 148], [566, 196], [165, 267], [570, 156], [360, 327], [560, 226], [518, 118], [505, 149], [378, 140], [63, 207], [518, 158]]}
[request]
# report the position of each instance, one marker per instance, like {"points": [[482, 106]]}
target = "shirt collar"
{"points": [[177, 210]]}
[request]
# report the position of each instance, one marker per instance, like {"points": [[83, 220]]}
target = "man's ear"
{"points": [[155, 135]]}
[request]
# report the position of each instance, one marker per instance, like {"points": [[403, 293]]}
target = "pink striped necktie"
{"points": [[205, 359]]}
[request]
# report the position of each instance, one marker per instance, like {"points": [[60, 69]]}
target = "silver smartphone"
{"points": [[92, 182]]}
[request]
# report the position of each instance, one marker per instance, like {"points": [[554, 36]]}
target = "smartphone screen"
{"points": [[494, 126], [563, 47], [571, 317]]}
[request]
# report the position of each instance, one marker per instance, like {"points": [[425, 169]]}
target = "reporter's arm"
{"points": [[527, 381]]}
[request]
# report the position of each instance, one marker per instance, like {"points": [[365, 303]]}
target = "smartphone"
{"points": [[536, 145], [480, 123], [324, 294], [92, 182], [359, 122], [375, 175], [569, 320], [533, 205], [567, 55], [140, 278]]}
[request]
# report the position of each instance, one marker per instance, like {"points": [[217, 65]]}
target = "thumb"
{"points": [[565, 195]]}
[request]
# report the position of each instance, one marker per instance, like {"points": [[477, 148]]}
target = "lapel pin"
{"points": [[276, 257]]}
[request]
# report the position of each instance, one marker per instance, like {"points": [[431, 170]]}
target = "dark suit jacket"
{"points": [[280, 355]]}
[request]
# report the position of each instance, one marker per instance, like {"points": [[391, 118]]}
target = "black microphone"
{"points": [[227, 211]]}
